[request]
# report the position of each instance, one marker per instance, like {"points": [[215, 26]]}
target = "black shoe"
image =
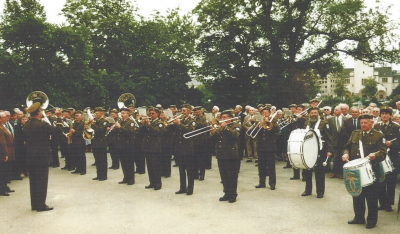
{"points": [[223, 198], [83, 173], [294, 178], [157, 187], [149, 186], [175, 166], [75, 172], [167, 176], [181, 191], [305, 194], [10, 191], [123, 182], [232, 200], [71, 169], [355, 221], [56, 165], [17, 178], [370, 226], [260, 185], [272, 187], [102, 179], [111, 168], [256, 161], [5, 194], [94, 164], [256, 165], [96, 178], [189, 192], [287, 167], [389, 208], [320, 195], [46, 208], [201, 178], [131, 183], [249, 160], [64, 168], [303, 179]]}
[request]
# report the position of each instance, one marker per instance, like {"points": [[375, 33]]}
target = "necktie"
{"points": [[10, 128], [337, 124], [385, 125], [355, 123]]}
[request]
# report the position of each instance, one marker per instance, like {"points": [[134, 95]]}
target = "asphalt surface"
{"points": [[82, 205]]}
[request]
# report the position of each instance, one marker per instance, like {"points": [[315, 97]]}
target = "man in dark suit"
{"points": [[375, 149], [37, 135], [351, 124], [335, 140], [6, 153], [226, 138], [392, 137]]}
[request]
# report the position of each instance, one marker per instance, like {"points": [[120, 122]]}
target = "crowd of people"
{"points": [[191, 137]]}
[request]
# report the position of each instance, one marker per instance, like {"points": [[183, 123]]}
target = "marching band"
{"points": [[306, 138]]}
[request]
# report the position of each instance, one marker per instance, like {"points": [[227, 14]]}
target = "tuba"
{"points": [[124, 101], [88, 132], [44, 100]]}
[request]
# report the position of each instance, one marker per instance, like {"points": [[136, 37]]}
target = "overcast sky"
{"points": [[147, 7]]}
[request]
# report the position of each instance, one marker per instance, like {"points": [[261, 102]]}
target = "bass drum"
{"points": [[303, 146]]}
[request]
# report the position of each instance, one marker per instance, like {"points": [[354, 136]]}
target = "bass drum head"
{"points": [[310, 149]]}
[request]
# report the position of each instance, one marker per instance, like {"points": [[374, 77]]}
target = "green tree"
{"points": [[370, 88], [274, 41], [341, 87]]}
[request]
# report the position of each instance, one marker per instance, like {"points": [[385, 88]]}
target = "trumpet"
{"points": [[215, 123], [174, 118]]}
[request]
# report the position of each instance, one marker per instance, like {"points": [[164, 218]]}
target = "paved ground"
{"points": [[82, 205]]}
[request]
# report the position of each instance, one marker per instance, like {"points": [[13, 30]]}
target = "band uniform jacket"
{"points": [[6, 144], [226, 141], [100, 128], [391, 132], [201, 139], [373, 142], [111, 136], [183, 146], [37, 135], [77, 136], [153, 135], [65, 129], [123, 135], [265, 138]]}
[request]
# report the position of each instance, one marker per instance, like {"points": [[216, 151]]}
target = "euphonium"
{"points": [[88, 132]]}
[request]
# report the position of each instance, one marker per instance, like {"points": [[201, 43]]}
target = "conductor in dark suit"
{"points": [[37, 135]]}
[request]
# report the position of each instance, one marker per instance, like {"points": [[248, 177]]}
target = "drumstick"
{"points": [[324, 163]]}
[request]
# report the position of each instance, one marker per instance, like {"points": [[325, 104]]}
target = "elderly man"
{"points": [[215, 111], [6, 153], [335, 131], [345, 110], [376, 115], [251, 143], [373, 144]]}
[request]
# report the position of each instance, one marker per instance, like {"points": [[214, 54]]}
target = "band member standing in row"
{"points": [[78, 145], [374, 147], [153, 128], [320, 127], [251, 143], [298, 122], [200, 144], [99, 143], [64, 143], [54, 140], [391, 132], [184, 155], [166, 149], [111, 141], [37, 135], [268, 129], [123, 131], [226, 138]]}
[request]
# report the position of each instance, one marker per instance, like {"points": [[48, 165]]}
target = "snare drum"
{"points": [[361, 167], [387, 165], [303, 146]]}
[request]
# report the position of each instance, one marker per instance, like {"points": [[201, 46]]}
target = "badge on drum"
{"points": [[352, 181], [160, 125], [105, 123], [194, 123]]}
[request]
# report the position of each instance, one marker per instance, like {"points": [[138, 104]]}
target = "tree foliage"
{"points": [[370, 88]]}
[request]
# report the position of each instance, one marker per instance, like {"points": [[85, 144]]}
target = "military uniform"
{"points": [[373, 142], [388, 186], [152, 151], [137, 141], [65, 147], [111, 142], [201, 151], [266, 154], [298, 123], [184, 155], [123, 149], [99, 146], [226, 145], [78, 147], [54, 143], [166, 152]]}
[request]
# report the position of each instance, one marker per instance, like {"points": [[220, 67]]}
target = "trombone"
{"points": [[251, 129], [266, 124], [215, 123]]}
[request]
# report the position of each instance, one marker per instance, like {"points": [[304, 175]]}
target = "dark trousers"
{"points": [[387, 190], [38, 180], [165, 160], [139, 161], [319, 179], [201, 157], [189, 172], [100, 156], [337, 162], [153, 167], [266, 166], [3, 177], [55, 161], [115, 157], [127, 163], [66, 153], [369, 193], [79, 156], [228, 170]]}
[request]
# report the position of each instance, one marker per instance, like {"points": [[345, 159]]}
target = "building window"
{"points": [[395, 80], [380, 96], [347, 81], [362, 81], [384, 80]]}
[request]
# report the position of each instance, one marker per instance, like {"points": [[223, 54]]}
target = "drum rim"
{"points": [[301, 130]]}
